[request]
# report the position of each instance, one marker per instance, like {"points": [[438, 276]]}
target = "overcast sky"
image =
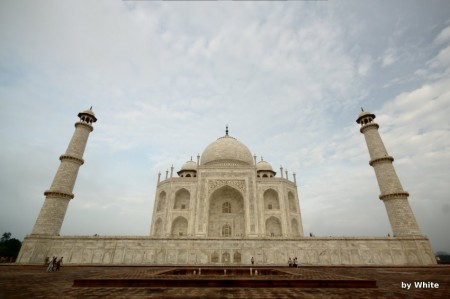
{"points": [[164, 78]]}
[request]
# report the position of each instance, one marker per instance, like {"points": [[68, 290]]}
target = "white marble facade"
{"points": [[122, 250], [226, 194], [226, 208]]}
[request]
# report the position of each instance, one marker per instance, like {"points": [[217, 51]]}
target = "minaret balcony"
{"points": [[382, 159]]}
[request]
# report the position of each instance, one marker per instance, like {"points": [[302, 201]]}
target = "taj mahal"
{"points": [[225, 207]]}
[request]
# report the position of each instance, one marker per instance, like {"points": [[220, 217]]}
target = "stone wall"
{"points": [[186, 251]]}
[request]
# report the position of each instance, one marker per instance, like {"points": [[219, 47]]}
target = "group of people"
{"points": [[293, 263], [54, 264]]}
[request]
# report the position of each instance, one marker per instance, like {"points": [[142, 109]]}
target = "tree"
{"points": [[9, 248], [6, 237]]}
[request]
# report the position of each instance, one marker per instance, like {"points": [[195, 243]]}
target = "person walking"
{"points": [[51, 264], [290, 262], [253, 261], [59, 263]]}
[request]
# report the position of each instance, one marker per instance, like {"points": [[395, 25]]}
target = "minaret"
{"points": [[57, 198], [395, 199]]}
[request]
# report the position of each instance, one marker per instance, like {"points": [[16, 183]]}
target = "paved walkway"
{"points": [[18, 281]]}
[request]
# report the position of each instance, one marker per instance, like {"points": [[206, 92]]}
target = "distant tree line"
{"points": [[9, 248], [443, 257]]}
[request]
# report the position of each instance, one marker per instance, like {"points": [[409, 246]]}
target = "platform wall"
{"points": [[183, 251]]}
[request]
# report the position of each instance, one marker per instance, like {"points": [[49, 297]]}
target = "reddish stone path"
{"points": [[17, 281]]}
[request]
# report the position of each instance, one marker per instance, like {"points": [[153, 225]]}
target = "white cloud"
{"points": [[442, 59], [443, 36], [364, 65], [389, 57]]}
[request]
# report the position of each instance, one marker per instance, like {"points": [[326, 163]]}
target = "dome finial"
{"points": [[226, 130]]}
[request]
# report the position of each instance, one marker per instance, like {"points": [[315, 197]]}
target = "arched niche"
{"points": [[157, 231], [182, 199], [271, 201], [214, 257], [273, 227], [161, 202], [226, 258], [292, 204], [226, 207], [179, 227], [237, 257]]}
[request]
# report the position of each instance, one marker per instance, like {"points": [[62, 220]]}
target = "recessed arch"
{"points": [[271, 201], [182, 199], [237, 257], [291, 199], [226, 207], [226, 257], [226, 230], [161, 202], [273, 227], [214, 257], [179, 227], [157, 231]]}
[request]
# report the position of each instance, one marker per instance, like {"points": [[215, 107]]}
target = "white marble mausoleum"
{"points": [[225, 208]]}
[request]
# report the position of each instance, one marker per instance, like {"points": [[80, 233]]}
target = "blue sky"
{"points": [[165, 77]]}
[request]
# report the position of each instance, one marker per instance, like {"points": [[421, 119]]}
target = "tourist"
{"points": [[290, 262], [295, 262], [253, 261], [51, 264], [59, 264]]}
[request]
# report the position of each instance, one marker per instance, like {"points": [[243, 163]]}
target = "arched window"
{"points": [[225, 257], [271, 201], [226, 230], [273, 227], [182, 197], [226, 207], [158, 227], [291, 199], [179, 227], [214, 257], [161, 202], [237, 257]]}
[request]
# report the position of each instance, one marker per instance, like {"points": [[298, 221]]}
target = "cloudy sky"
{"points": [[164, 78]]}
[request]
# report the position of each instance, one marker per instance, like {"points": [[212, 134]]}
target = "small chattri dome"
{"points": [[189, 165], [263, 166], [89, 113], [364, 114]]}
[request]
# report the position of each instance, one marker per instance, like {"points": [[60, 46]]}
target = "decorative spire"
{"points": [[191, 158], [226, 130], [362, 110]]}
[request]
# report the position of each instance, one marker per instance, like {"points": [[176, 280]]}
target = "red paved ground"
{"points": [[17, 281]]}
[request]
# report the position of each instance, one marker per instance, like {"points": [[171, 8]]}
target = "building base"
{"points": [[125, 250]]}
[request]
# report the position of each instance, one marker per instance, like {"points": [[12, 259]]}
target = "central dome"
{"points": [[227, 148]]}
